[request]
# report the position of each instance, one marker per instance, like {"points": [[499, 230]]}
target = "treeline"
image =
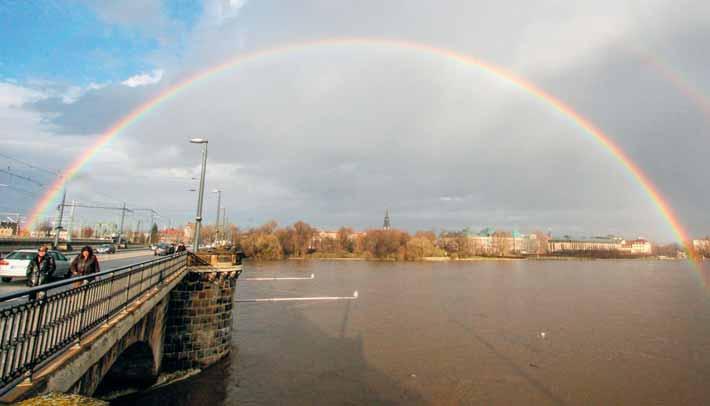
{"points": [[270, 242]]}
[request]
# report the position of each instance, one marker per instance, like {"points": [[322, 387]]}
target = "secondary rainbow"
{"points": [[650, 189], [683, 85]]}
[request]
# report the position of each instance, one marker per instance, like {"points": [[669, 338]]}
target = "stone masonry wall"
{"points": [[149, 330], [199, 324]]}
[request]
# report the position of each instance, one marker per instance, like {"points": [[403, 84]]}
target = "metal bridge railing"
{"points": [[33, 331]]}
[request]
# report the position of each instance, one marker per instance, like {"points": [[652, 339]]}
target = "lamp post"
{"points": [[198, 216], [219, 204]]}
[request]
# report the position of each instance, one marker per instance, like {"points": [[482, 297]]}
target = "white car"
{"points": [[14, 265]]}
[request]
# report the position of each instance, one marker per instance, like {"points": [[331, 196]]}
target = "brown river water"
{"points": [[487, 332]]}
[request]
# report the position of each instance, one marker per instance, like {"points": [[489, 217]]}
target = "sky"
{"points": [[334, 135]]}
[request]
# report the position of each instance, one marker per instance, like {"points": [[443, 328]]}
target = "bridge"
{"points": [[116, 328]]}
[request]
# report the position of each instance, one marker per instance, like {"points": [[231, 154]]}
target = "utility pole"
{"points": [[58, 227], [71, 220], [219, 209], [224, 223], [120, 228]]}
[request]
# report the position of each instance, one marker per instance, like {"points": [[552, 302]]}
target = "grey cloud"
{"points": [[337, 136], [95, 111]]}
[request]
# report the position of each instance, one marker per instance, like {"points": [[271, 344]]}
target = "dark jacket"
{"points": [[80, 266], [39, 273]]}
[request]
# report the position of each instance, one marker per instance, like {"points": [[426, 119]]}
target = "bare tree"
{"points": [[501, 243], [45, 227], [542, 240]]}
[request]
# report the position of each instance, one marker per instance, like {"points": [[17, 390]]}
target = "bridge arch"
{"points": [[135, 368]]}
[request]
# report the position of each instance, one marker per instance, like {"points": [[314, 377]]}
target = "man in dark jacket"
{"points": [[40, 270]]}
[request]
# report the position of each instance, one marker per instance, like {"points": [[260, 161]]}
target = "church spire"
{"points": [[386, 224]]}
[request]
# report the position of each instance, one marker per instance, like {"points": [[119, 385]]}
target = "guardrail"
{"points": [[118, 251], [34, 331], [9, 245]]}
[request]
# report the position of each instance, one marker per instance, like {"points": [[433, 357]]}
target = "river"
{"points": [[487, 332]]}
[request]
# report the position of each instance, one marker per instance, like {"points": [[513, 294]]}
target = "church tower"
{"points": [[386, 224]]}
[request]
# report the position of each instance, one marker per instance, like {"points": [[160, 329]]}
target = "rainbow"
{"points": [[132, 118], [687, 89]]}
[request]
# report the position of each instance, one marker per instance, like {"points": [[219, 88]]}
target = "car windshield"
{"points": [[21, 255]]}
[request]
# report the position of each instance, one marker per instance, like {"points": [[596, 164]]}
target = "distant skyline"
{"points": [[334, 136]]}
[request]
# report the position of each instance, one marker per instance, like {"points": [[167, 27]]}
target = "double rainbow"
{"points": [[650, 189]]}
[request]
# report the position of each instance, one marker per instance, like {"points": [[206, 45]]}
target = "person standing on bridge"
{"points": [[40, 270], [85, 263]]}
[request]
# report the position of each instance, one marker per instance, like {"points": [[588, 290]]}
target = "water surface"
{"points": [[520, 332]]}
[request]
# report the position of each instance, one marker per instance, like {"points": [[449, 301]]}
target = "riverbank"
{"points": [[476, 259], [423, 259]]}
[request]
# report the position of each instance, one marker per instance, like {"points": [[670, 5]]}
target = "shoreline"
{"points": [[474, 259]]}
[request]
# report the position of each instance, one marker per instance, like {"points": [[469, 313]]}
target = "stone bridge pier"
{"points": [[199, 322], [185, 324]]}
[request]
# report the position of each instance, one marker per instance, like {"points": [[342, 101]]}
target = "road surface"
{"points": [[106, 262]]}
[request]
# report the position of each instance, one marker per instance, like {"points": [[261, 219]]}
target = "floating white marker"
{"points": [[290, 278], [298, 299]]}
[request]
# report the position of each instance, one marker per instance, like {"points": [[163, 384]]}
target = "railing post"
{"points": [[35, 333], [128, 288], [110, 297], [83, 306]]}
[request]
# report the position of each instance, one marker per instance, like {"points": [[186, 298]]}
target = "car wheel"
{"points": [[6, 279]]}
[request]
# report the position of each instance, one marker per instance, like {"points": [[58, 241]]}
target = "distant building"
{"points": [[188, 232], [566, 244], [488, 241], [8, 228], [386, 225], [321, 235], [172, 235], [482, 242], [639, 246], [105, 230], [702, 246]]}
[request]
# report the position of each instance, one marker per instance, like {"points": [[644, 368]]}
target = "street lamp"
{"points": [[198, 217], [219, 203]]}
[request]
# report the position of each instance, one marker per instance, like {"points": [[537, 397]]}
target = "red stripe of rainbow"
{"points": [[663, 207]]}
